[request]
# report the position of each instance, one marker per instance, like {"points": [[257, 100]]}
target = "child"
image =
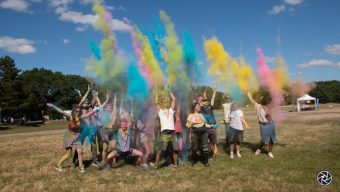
{"points": [[236, 129]]}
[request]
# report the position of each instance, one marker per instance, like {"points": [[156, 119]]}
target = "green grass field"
{"points": [[308, 142]]}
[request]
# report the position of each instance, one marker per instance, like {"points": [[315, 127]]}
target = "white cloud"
{"points": [[65, 14], [293, 2], [287, 5], [318, 62], [77, 17], [17, 5], [268, 59], [21, 46], [277, 9], [333, 49], [81, 28], [66, 41]]}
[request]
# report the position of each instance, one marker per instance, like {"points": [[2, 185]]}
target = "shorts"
{"points": [[125, 153], [268, 132], [212, 135], [235, 135], [109, 135], [169, 136]]}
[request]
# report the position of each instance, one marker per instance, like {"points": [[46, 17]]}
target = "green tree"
{"points": [[9, 87]]}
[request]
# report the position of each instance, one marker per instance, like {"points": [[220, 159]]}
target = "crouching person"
{"points": [[123, 148]]}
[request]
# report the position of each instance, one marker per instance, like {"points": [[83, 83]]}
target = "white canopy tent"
{"points": [[305, 103]]}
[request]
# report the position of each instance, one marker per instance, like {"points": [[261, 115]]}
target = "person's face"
{"points": [[77, 112], [123, 124], [165, 103], [197, 108]]}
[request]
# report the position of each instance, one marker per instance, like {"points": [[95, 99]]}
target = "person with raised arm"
{"points": [[207, 109], [71, 137], [168, 134], [267, 125]]}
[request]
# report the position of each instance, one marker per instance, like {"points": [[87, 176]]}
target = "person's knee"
{"points": [[176, 152], [231, 142], [205, 148]]}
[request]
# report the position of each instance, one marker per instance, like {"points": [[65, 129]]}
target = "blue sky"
{"points": [[55, 34]]}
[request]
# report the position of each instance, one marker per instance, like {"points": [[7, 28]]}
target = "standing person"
{"points": [[267, 125], [198, 134], [109, 133], [226, 120], [71, 137], [207, 109], [168, 134], [236, 129]]}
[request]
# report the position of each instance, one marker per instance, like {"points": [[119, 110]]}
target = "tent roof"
{"points": [[306, 98]]}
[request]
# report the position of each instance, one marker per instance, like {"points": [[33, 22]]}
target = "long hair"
{"points": [[193, 107]]}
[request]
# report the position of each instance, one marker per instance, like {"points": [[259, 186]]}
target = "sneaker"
{"points": [[258, 151], [59, 168], [231, 155], [206, 165], [73, 165], [144, 167], [238, 154], [152, 164], [82, 169], [271, 155], [95, 163], [101, 165], [174, 166]]}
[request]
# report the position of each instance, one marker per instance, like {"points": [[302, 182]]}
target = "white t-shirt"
{"points": [[166, 117], [226, 111], [235, 119]]}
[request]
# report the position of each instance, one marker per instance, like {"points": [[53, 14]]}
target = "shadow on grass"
{"points": [[5, 127]]}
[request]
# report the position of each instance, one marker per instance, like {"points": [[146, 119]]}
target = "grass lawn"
{"points": [[51, 125], [308, 142]]}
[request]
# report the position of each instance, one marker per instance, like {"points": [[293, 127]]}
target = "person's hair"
{"points": [[265, 100], [74, 112], [234, 107], [193, 107]]}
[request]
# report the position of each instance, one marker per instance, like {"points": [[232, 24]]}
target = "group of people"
{"points": [[156, 130]]}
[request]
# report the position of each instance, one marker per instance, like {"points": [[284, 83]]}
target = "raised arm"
{"points": [[156, 99], [173, 98], [50, 105], [212, 102], [114, 110], [86, 94], [96, 109], [108, 96], [250, 98]]}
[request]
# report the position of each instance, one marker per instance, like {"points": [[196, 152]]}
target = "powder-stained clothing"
{"points": [[208, 113], [123, 139], [226, 112], [166, 117]]}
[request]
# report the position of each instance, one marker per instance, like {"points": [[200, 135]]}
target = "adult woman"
{"points": [[267, 126], [198, 131], [72, 136]]}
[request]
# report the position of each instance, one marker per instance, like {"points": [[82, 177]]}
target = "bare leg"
{"points": [[136, 153], [232, 148], [175, 156], [104, 153], [147, 147], [80, 156], [270, 146], [67, 155]]}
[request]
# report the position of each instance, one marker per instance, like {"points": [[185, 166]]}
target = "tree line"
{"points": [[25, 93]]}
